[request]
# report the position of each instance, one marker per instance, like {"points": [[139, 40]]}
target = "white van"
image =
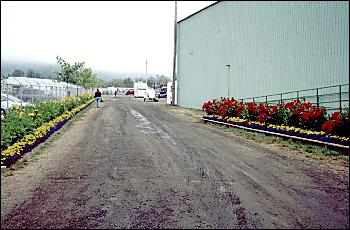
{"points": [[150, 95], [140, 89]]}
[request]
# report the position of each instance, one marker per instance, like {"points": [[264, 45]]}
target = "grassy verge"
{"points": [[195, 114], [307, 149], [334, 156], [293, 144], [38, 150]]}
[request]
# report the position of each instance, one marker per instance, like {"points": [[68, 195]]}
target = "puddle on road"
{"points": [[148, 127]]}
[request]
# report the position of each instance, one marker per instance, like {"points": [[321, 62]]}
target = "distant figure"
{"points": [[98, 97], [115, 93]]}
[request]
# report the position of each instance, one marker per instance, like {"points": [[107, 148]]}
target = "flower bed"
{"points": [[31, 139], [285, 131], [293, 119]]}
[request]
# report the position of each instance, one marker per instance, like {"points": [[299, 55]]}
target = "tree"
{"points": [[162, 80], [102, 83], [31, 73], [139, 79], [112, 83], [151, 81], [68, 72], [128, 83], [88, 79], [18, 73], [38, 75], [77, 74]]}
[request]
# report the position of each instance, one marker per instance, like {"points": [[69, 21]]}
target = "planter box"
{"points": [[326, 140]]}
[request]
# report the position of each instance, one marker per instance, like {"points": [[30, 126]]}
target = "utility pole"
{"points": [[174, 59], [146, 72], [155, 82]]}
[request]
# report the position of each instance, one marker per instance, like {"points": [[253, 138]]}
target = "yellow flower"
{"points": [[41, 131], [16, 106]]}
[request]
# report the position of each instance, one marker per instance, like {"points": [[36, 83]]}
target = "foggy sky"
{"points": [[112, 36]]}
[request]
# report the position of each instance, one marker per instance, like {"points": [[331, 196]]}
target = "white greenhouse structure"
{"points": [[37, 89]]}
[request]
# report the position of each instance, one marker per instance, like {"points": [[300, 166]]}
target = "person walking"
{"points": [[98, 97], [115, 93]]}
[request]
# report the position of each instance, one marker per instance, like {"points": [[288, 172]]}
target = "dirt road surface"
{"points": [[136, 164]]}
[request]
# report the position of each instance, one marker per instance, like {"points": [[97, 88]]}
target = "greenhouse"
{"points": [[37, 89]]}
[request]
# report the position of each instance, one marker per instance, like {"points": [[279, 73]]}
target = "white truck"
{"points": [[140, 89], [150, 95]]}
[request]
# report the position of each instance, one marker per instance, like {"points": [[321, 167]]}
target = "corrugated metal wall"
{"points": [[271, 47]]}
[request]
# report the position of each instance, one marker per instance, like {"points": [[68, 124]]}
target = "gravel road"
{"points": [[136, 164]]}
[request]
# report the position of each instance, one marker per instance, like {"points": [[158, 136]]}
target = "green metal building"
{"points": [[250, 49]]}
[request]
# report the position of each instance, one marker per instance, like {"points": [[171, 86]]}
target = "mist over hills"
{"points": [[46, 70], [8, 67]]}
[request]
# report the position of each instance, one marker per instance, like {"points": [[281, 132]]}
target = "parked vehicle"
{"points": [[140, 89], [161, 93], [7, 101], [130, 92], [150, 95]]}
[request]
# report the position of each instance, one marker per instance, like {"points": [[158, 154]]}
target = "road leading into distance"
{"points": [[136, 164]]}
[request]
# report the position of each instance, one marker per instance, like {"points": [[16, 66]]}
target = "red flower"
{"points": [[261, 107], [250, 105], [305, 116], [307, 105], [295, 112], [316, 112], [336, 117], [273, 108], [290, 105], [328, 125], [262, 117]]}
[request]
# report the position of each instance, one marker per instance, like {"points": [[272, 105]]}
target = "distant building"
{"points": [[248, 49]]}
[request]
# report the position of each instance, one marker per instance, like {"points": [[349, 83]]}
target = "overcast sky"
{"points": [[113, 35]]}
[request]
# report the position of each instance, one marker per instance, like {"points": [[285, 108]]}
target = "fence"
{"points": [[34, 91], [332, 97]]}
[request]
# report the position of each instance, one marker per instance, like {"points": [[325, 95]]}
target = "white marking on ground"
{"points": [[147, 127], [221, 189]]}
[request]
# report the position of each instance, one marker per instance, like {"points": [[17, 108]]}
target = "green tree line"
{"points": [[158, 81], [20, 73]]}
